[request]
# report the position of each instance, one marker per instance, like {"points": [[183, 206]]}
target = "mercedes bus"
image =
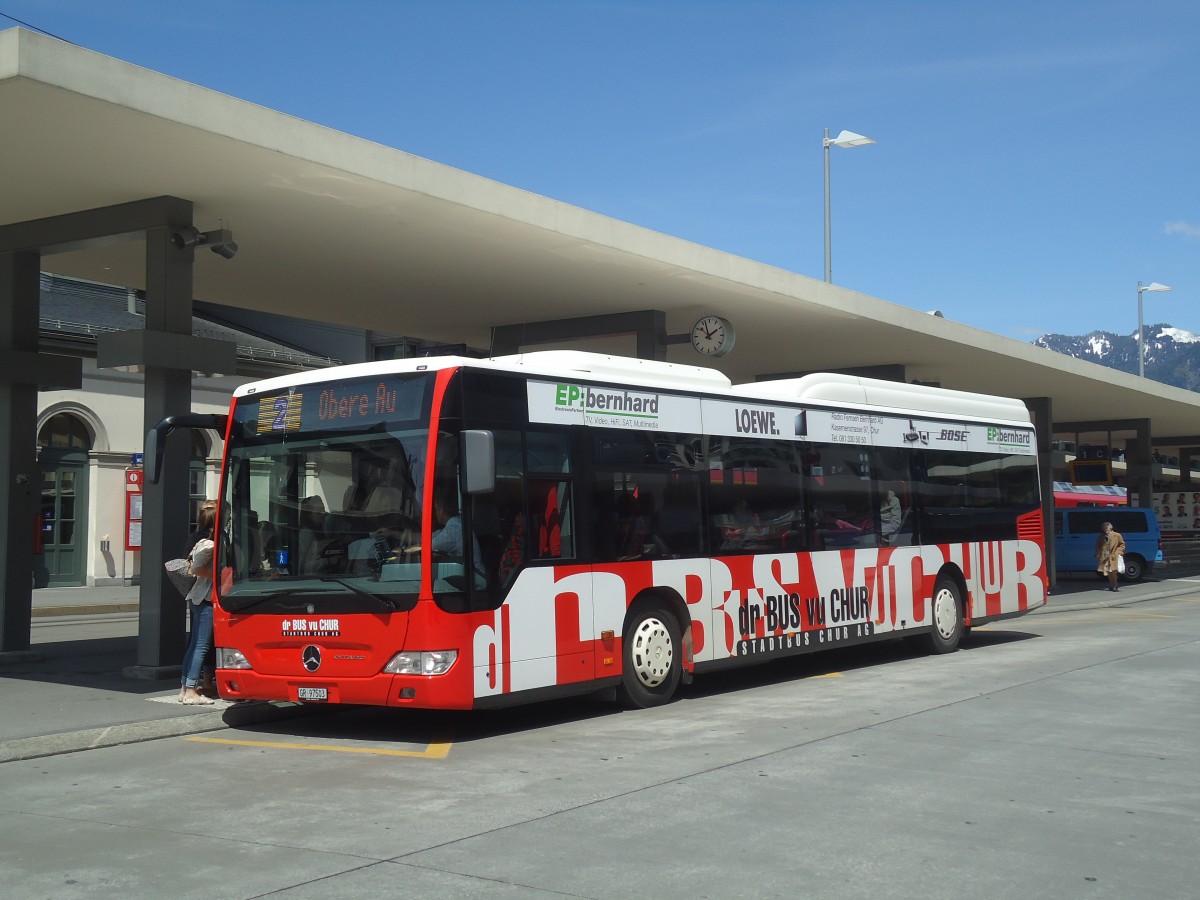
{"points": [[464, 533]]}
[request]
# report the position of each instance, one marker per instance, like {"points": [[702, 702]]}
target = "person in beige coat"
{"points": [[1110, 547]]}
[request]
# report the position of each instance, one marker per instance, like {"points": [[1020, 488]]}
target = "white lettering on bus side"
{"points": [[739, 606], [519, 648]]}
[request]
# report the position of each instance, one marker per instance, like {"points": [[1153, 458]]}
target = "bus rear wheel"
{"points": [[947, 627], [651, 655]]}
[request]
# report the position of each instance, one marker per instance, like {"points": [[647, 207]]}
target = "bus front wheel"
{"points": [[947, 628], [651, 656]]}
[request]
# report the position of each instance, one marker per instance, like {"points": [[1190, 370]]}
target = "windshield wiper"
{"points": [[237, 603], [386, 601]]}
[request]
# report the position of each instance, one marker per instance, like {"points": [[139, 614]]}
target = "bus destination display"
{"points": [[349, 404]]}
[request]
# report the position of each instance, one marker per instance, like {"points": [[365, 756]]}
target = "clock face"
{"points": [[712, 336]]}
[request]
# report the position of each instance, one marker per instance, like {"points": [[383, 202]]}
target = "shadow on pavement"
{"points": [[89, 662], [1074, 584]]}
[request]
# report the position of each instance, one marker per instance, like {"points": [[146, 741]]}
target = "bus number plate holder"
{"points": [[312, 693]]}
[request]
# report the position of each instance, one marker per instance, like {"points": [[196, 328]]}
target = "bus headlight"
{"points": [[228, 658], [428, 662]]}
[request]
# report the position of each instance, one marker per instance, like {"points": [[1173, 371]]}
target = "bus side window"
{"points": [[549, 468], [509, 500], [891, 469], [844, 511], [485, 522], [633, 527], [512, 557], [645, 495], [680, 524], [755, 501], [548, 514]]}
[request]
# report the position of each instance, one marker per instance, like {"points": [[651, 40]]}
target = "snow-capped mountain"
{"points": [[1172, 354]]}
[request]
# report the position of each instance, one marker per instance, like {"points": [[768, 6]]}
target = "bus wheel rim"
{"points": [[945, 613], [653, 653]]}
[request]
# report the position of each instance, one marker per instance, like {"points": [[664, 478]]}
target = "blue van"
{"points": [[1076, 530]]}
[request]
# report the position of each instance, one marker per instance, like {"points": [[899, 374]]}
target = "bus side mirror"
{"points": [[478, 455], [152, 455], [156, 438]]}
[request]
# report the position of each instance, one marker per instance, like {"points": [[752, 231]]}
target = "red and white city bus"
{"points": [[463, 533]]}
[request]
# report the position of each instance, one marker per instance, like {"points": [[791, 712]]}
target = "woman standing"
{"points": [[199, 600], [1110, 547]]}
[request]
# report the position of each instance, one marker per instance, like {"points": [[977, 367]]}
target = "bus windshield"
{"points": [[323, 484]]}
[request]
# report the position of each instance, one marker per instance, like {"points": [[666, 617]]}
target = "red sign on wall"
{"points": [[133, 509]]}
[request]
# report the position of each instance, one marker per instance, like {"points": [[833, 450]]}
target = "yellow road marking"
{"points": [[827, 675], [1107, 614], [432, 751]]}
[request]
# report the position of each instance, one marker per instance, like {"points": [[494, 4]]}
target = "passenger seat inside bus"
{"points": [[550, 527]]}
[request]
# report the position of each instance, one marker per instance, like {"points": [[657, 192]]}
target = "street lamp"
{"points": [[844, 139], [1155, 287]]}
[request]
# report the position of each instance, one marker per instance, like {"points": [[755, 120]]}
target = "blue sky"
{"points": [[1035, 160]]}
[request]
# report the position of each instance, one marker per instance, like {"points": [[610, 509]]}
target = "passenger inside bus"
{"points": [[447, 539], [513, 556], [842, 529], [368, 476], [633, 528], [388, 474], [637, 534], [388, 528], [743, 529], [889, 517], [249, 556], [312, 535], [268, 535]]}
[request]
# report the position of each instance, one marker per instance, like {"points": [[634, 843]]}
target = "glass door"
{"points": [[63, 522]]}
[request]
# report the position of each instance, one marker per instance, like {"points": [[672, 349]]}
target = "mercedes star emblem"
{"points": [[311, 658]]}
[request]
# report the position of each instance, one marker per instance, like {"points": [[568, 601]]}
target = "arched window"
{"points": [[64, 432], [199, 444]]}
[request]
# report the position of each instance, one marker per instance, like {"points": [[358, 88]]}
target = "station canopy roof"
{"points": [[334, 228]]}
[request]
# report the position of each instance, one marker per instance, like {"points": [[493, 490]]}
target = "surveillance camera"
{"points": [[186, 238], [227, 250], [220, 242]]}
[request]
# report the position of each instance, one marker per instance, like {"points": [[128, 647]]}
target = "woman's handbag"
{"points": [[177, 574], [1121, 565]]}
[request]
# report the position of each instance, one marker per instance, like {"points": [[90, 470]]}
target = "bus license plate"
{"points": [[311, 693]]}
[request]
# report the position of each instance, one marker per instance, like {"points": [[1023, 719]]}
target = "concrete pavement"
{"points": [[70, 693]]}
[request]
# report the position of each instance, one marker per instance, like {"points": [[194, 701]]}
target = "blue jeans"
{"points": [[199, 643]]}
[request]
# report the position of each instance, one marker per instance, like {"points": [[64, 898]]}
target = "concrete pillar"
{"points": [[1041, 410], [1187, 459], [19, 304], [1139, 469], [168, 391]]}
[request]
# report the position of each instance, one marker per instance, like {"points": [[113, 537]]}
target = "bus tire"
{"points": [[946, 610], [651, 658]]}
